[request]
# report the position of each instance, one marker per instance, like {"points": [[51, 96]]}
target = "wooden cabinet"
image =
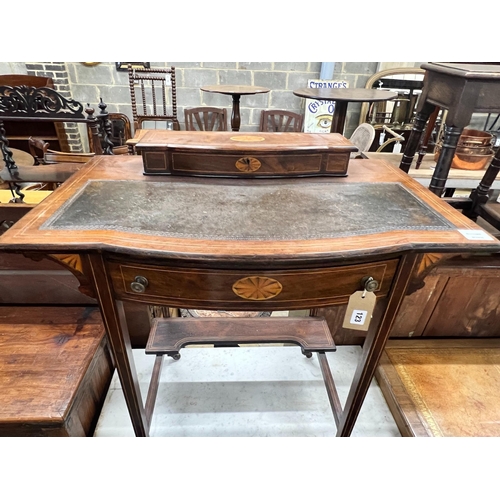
{"points": [[459, 299], [18, 132]]}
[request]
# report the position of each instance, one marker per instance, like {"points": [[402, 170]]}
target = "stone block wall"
{"points": [[88, 83], [103, 80]]}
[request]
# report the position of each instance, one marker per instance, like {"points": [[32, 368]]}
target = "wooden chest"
{"points": [[234, 154], [446, 387], [55, 370]]}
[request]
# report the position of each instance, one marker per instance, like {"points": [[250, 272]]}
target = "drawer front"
{"points": [[253, 290], [245, 165], [155, 162]]}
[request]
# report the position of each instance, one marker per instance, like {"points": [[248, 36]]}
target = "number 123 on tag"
{"points": [[359, 310]]}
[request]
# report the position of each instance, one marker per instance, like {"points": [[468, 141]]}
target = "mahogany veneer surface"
{"points": [[443, 387], [78, 216], [168, 335], [233, 154]]}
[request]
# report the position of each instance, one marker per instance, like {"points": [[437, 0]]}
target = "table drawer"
{"points": [[253, 290], [245, 164]]}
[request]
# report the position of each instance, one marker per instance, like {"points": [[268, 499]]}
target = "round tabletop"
{"points": [[235, 89], [22, 158], [351, 95]]}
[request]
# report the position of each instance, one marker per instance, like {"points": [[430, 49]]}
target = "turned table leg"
{"points": [[414, 140], [338, 119], [235, 114], [450, 141]]}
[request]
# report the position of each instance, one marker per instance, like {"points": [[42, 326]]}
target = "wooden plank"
{"points": [[169, 335], [55, 369]]}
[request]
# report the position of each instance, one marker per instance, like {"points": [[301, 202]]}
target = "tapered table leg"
{"points": [[373, 348], [116, 327]]}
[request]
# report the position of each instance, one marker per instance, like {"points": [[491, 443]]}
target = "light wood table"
{"points": [[457, 179], [468, 371]]}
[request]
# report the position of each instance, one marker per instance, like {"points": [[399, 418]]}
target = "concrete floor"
{"points": [[247, 392]]}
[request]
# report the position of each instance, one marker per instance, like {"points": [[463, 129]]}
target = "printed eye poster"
{"points": [[318, 114]]}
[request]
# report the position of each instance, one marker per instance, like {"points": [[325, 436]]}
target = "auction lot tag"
{"points": [[359, 310]]}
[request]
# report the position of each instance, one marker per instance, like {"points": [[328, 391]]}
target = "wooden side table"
{"points": [[342, 98], [236, 91], [462, 89]]}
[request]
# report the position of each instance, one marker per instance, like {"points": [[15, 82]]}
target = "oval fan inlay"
{"points": [[248, 138], [257, 288], [248, 164]]}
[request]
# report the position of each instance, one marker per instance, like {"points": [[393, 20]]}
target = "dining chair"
{"points": [[120, 131], [156, 88], [278, 120], [205, 118]]}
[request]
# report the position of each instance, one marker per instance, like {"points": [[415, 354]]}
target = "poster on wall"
{"points": [[318, 114]]}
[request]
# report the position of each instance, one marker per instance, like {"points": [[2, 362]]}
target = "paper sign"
{"points": [[476, 234], [358, 317], [319, 114]]}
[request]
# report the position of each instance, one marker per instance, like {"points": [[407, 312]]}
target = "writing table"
{"points": [[195, 238]]}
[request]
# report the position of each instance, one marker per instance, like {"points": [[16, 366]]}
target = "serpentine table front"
{"points": [[313, 239]]}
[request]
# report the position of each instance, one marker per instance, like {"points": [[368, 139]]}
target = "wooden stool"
{"points": [[169, 335], [55, 370], [462, 89], [443, 387]]}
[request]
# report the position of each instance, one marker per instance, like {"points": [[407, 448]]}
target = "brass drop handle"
{"points": [[139, 284], [369, 284]]}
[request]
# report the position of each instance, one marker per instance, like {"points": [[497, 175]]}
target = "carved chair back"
{"points": [[205, 118], [277, 120], [26, 104], [158, 95], [120, 131]]}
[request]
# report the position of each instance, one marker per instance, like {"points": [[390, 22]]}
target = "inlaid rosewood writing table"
{"points": [[195, 239], [342, 98], [235, 91]]}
